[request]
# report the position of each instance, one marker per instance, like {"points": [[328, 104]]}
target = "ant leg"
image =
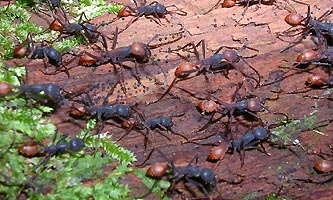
{"points": [[149, 155], [198, 184], [180, 135], [212, 8], [131, 22], [161, 133], [263, 148]]}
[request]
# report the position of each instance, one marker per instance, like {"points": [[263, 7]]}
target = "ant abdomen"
{"points": [[293, 19]]}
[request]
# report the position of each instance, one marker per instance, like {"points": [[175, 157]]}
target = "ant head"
{"points": [[307, 55], [242, 105], [260, 133], [208, 176], [122, 110], [228, 3], [5, 88], [38, 53], [160, 10], [166, 121], [231, 56], [236, 145], [157, 170], [183, 69], [124, 12], [207, 106], [76, 144], [56, 25]]}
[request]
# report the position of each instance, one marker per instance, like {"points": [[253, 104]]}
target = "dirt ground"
{"points": [[255, 38]]}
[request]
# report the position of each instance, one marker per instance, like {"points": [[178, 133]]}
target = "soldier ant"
{"points": [[49, 94], [154, 9], [190, 174], [74, 145], [310, 24]]}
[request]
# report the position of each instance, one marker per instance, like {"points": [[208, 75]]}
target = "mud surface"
{"points": [[287, 171]]}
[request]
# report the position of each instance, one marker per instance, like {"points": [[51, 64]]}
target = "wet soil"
{"points": [[287, 171]]}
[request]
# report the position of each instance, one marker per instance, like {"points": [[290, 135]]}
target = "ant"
{"points": [[74, 145], [137, 52], [84, 28], [164, 123], [218, 61], [45, 93], [250, 104], [310, 24], [103, 112], [154, 9], [191, 174], [52, 55], [251, 138]]}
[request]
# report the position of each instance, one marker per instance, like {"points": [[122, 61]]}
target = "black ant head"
{"points": [[160, 10], [260, 133], [90, 32], [38, 53], [122, 110], [242, 105], [208, 176], [166, 121], [140, 51], [236, 145], [54, 56], [76, 144], [231, 56]]}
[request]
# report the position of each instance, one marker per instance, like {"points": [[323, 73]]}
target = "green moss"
{"points": [[15, 24]]}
